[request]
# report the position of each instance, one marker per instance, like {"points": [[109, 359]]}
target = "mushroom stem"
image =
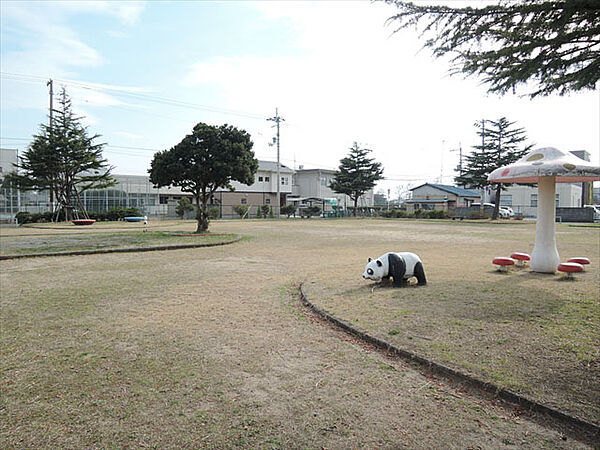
{"points": [[545, 257]]}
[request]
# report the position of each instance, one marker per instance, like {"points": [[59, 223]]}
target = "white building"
{"points": [[312, 186]]}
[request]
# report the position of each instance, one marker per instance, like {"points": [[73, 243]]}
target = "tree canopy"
{"points": [[553, 44], [209, 158], [64, 160], [501, 144], [356, 174]]}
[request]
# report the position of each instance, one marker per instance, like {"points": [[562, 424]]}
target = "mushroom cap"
{"points": [[546, 162]]}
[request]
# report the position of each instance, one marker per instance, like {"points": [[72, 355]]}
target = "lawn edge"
{"points": [[122, 250], [578, 428]]}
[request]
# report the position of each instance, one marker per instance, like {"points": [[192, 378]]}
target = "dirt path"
{"points": [[210, 348]]}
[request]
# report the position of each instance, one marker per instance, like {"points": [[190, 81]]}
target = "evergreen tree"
{"points": [[356, 174], [183, 205], [554, 43], [204, 161], [501, 144], [64, 160]]}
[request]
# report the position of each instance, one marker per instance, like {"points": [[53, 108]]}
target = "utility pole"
{"points": [[481, 208], [277, 119], [51, 124], [459, 150]]}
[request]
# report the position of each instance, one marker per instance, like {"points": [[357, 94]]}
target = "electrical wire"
{"points": [[116, 91]]}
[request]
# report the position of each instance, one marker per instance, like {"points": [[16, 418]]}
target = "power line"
{"points": [[116, 91]]}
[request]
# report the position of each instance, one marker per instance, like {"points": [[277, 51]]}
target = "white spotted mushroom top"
{"points": [[547, 162]]}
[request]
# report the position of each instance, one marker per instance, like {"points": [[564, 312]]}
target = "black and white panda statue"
{"points": [[399, 266]]}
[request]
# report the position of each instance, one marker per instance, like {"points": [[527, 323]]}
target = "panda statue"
{"points": [[399, 266]]}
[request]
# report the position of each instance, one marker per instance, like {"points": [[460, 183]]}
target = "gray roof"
{"points": [[272, 166], [451, 189]]}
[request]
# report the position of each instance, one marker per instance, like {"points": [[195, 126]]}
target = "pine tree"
{"points": [[64, 160], [356, 174], [552, 43], [501, 144]]}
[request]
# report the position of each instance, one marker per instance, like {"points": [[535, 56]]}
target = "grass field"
{"points": [[209, 347], [48, 243]]}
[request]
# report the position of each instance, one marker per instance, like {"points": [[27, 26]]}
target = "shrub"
{"points": [[288, 210], [313, 210], [112, 214], [271, 215], [478, 215], [214, 212], [242, 210], [436, 214], [25, 217], [183, 205], [258, 212], [265, 210]]}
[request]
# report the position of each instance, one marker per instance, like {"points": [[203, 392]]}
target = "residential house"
{"points": [[440, 197]]}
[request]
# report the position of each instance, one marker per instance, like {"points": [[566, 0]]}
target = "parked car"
{"points": [[596, 209], [506, 212]]}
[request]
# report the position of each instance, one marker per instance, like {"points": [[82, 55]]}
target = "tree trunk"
{"points": [[355, 206], [201, 215], [497, 204]]}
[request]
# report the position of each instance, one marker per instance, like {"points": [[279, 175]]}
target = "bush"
{"points": [[478, 215], [288, 210], [271, 215], [437, 214], [113, 214], [265, 210], [394, 213], [310, 211], [24, 217], [242, 210], [214, 212], [183, 205]]}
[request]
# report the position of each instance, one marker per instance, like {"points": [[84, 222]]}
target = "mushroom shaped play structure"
{"points": [[546, 167]]}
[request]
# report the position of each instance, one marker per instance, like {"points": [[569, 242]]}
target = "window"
{"points": [[260, 178], [323, 181], [506, 200], [268, 201], [557, 199], [533, 201], [163, 200], [267, 179], [243, 201], [284, 181]]}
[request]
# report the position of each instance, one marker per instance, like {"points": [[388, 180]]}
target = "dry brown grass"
{"points": [[209, 348]]}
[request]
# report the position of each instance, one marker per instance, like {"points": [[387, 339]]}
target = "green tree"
{"points": [[242, 210], [64, 160], [204, 161], [501, 144], [183, 205], [265, 210], [356, 174], [288, 210], [552, 44]]}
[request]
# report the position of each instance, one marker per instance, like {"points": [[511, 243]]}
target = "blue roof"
{"points": [[427, 200], [452, 189]]}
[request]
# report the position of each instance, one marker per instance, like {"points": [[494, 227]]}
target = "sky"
{"points": [[142, 74]]}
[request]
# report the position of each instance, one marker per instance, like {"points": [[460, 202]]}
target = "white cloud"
{"points": [[352, 79], [45, 46], [117, 34], [128, 135]]}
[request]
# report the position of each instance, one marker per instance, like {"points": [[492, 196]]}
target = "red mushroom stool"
{"points": [[521, 258], [503, 263], [569, 268], [580, 260]]}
